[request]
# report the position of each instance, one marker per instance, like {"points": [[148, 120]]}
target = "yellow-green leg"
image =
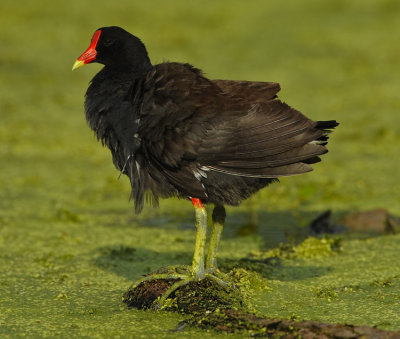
{"points": [[201, 236], [212, 272], [199, 269], [218, 218]]}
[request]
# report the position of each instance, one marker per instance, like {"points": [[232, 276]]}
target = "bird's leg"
{"points": [[198, 271], [201, 236], [212, 272], [218, 217]]}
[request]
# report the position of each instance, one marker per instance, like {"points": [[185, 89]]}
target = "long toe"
{"points": [[155, 290]]}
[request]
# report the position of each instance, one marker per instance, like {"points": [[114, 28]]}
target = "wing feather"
{"points": [[252, 91], [233, 127]]}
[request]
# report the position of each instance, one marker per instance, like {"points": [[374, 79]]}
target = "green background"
{"points": [[70, 243]]}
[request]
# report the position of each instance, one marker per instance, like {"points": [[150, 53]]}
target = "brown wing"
{"points": [[270, 140], [251, 91], [237, 128]]}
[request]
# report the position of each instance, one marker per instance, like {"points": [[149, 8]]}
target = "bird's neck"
{"points": [[126, 71], [134, 63]]}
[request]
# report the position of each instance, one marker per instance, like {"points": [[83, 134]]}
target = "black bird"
{"points": [[176, 133]]}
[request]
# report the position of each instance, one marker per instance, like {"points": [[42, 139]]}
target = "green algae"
{"points": [[209, 306], [72, 277], [70, 244], [311, 247]]}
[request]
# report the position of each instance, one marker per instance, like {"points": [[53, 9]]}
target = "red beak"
{"points": [[90, 54]]}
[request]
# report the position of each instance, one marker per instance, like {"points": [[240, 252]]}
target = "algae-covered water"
{"points": [[70, 244]]}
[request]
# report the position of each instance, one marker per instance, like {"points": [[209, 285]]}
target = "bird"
{"points": [[176, 133]]}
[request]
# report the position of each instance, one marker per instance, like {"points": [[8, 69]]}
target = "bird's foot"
{"points": [[184, 275]]}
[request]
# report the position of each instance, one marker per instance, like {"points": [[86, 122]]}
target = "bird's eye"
{"points": [[108, 42]]}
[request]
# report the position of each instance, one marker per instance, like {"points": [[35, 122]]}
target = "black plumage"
{"points": [[176, 133]]}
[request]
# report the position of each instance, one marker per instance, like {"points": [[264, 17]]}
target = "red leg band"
{"points": [[197, 203]]}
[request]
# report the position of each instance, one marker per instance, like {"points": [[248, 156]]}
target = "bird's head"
{"points": [[114, 47]]}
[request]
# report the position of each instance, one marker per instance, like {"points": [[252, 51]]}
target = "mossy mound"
{"points": [[209, 306], [197, 297]]}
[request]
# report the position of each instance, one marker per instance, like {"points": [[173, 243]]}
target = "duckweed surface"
{"points": [[70, 244]]}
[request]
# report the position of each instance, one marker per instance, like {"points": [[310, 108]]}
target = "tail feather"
{"points": [[326, 127], [281, 159]]}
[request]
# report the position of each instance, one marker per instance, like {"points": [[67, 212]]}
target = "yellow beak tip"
{"points": [[77, 64]]}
